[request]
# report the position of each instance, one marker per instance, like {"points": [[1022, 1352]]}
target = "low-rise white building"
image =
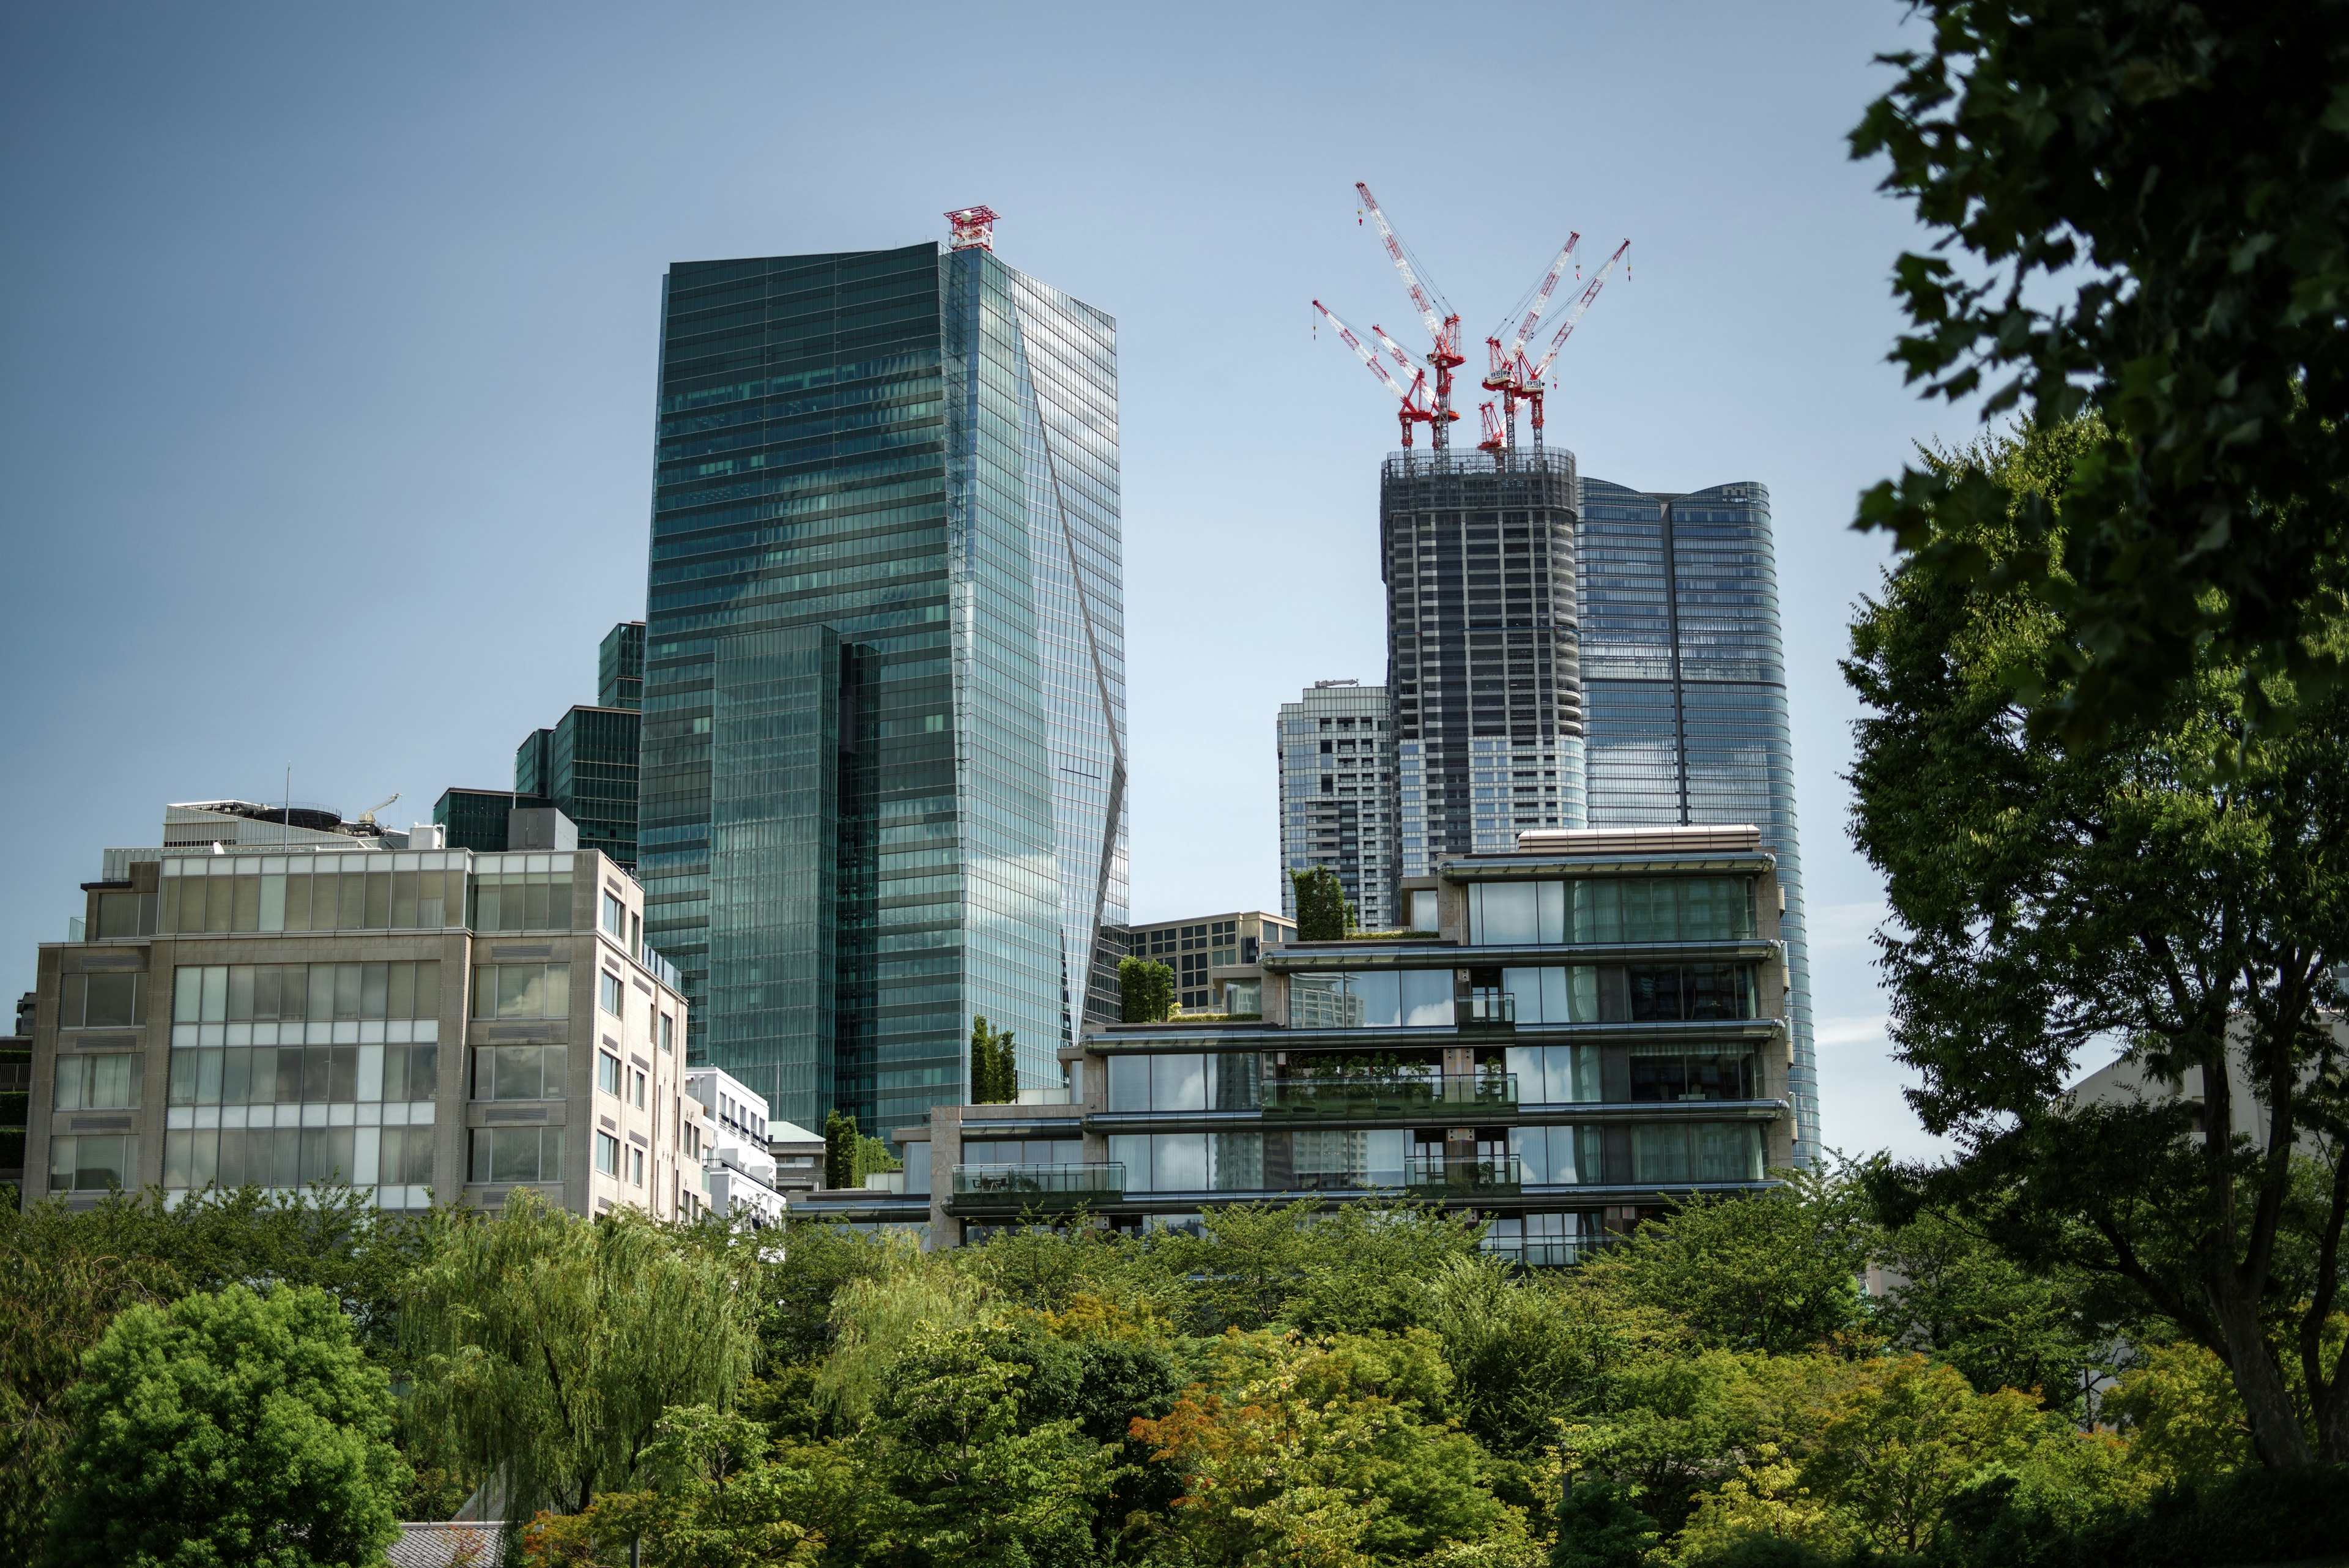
{"points": [[737, 1164]]}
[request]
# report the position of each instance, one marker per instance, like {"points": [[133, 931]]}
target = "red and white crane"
{"points": [[1533, 378], [1501, 377], [1413, 411], [1442, 321]]}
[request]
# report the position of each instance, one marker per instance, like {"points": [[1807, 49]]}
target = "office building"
{"points": [[585, 764], [1684, 682], [620, 667], [408, 1018], [883, 783], [1338, 795], [1594, 1032], [478, 818], [1214, 956], [1478, 554]]}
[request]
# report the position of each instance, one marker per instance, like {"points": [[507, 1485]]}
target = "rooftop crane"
{"points": [[1502, 376], [1412, 411], [1442, 321], [1531, 379]]}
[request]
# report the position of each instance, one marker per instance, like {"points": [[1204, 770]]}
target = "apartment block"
{"points": [[1596, 1029], [1214, 956], [414, 1021], [1338, 795]]}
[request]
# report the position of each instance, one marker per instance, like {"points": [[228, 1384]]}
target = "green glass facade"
{"points": [[585, 767], [476, 818], [884, 692], [620, 667]]}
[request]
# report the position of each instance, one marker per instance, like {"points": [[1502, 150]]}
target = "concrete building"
{"points": [[1338, 795], [1482, 657], [753, 1164], [1684, 683], [412, 1021], [884, 759], [1598, 1027], [1214, 956], [15, 1092]]}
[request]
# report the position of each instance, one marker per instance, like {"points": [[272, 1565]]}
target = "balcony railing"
{"points": [[1435, 1176], [1369, 1098], [1489, 1007], [1045, 1188]]}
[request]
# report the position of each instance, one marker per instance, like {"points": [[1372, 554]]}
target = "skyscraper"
{"points": [[1478, 552], [1338, 795], [883, 783], [1685, 680]]}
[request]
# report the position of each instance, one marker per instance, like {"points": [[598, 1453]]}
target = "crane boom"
{"points": [[1566, 327], [1368, 356], [1541, 298], [1402, 356], [1426, 298]]}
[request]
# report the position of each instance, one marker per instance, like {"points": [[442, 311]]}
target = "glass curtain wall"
{"points": [[1684, 675]]}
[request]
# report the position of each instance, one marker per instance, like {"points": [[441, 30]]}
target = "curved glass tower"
{"points": [[1684, 686], [884, 764]]}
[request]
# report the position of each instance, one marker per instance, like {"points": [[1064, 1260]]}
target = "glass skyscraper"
{"points": [[884, 767], [1685, 685]]}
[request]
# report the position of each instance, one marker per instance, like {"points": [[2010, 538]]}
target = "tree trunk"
{"points": [[2276, 1432]]}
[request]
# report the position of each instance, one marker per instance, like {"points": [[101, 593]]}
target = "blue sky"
{"points": [[330, 337]]}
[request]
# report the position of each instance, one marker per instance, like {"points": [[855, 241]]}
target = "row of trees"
{"points": [[1367, 1386]]}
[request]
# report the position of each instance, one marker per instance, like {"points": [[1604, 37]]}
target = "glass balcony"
{"points": [[1437, 1177], [1488, 1007], [1043, 1188], [1343, 1098]]}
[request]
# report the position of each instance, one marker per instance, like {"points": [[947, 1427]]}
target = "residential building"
{"points": [[752, 1164], [883, 785], [1216, 958], [1596, 1030], [1336, 759], [410, 1021], [1684, 682], [1478, 554]]}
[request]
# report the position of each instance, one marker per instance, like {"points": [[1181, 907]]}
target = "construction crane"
{"points": [[367, 818], [1442, 323], [1532, 379], [1502, 376], [1413, 411]]}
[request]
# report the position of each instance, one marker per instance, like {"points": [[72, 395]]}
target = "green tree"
{"points": [[1598, 1527], [1776, 1271], [1323, 915], [548, 1347], [1963, 1301], [2180, 888], [1146, 990], [719, 1500], [228, 1428], [840, 1138], [2153, 196], [993, 1065]]}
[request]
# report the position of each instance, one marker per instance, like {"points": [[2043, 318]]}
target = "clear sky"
{"points": [[330, 333]]}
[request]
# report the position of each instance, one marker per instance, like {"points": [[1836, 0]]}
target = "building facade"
{"points": [[1215, 958], [1684, 682], [414, 1022], [1338, 795], [883, 757], [1596, 1029], [1478, 555]]}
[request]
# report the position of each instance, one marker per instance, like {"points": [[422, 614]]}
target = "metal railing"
{"points": [[1011, 1189], [1489, 1006], [1437, 1175], [1339, 1098]]}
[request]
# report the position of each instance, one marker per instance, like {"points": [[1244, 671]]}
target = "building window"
{"points": [[89, 1164], [519, 1072], [607, 1074], [108, 1083], [126, 915], [102, 1001], [517, 1154], [667, 1030], [299, 1074], [262, 993], [611, 992], [607, 1154], [636, 1168], [523, 900], [522, 990], [310, 893], [616, 918], [638, 1086]]}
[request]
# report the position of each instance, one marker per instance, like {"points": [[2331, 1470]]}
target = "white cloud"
{"points": [[1837, 926], [1865, 1028]]}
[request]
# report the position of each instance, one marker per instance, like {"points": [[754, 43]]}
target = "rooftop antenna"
{"points": [[974, 228]]}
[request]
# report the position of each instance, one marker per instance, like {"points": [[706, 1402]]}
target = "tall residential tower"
{"points": [[1684, 675], [1478, 552], [883, 766], [1337, 796]]}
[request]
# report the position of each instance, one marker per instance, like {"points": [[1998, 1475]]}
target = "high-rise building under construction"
{"points": [[1478, 551]]}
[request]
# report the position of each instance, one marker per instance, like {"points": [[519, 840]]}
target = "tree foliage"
{"points": [[548, 1347], [2180, 888], [229, 1427], [1146, 990], [2151, 198], [993, 1065], [1323, 915]]}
